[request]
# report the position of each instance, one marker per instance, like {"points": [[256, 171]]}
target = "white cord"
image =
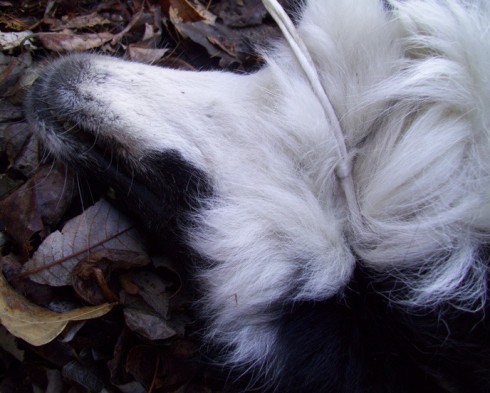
{"points": [[344, 167]]}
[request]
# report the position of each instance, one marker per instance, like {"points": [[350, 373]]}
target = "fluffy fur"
{"points": [[283, 265]]}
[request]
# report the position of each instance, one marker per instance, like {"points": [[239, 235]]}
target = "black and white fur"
{"points": [[297, 297]]}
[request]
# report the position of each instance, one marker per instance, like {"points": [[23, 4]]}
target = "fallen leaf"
{"points": [[248, 13], [37, 205], [144, 363], [22, 149], [9, 111], [35, 324], [160, 367], [7, 186], [16, 137], [13, 40], [117, 365], [12, 23], [199, 33], [154, 291], [183, 11], [91, 276], [145, 55], [99, 227], [12, 71], [27, 162], [140, 318], [68, 41], [42, 295], [75, 371], [55, 381], [78, 22], [9, 343]]}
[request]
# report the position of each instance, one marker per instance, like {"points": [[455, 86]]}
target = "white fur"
{"points": [[411, 87]]}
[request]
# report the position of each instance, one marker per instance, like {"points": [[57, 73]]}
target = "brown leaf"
{"points": [[9, 111], [199, 32], [143, 320], [184, 11], [16, 137], [143, 362], [22, 149], [100, 227], [35, 324], [40, 294], [145, 55], [27, 162], [241, 14], [11, 40], [231, 46], [37, 205], [91, 276], [159, 367], [10, 22], [87, 378], [67, 40], [153, 290], [78, 22], [9, 343], [12, 69]]}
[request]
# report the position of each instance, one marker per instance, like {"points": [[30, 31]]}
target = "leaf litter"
{"points": [[100, 226], [85, 305]]}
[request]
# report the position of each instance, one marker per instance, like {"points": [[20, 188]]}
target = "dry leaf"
{"points": [[149, 325], [13, 40], [154, 291], [75, 371], [37, 325], [185, 11], [16, 137], [77, 22], [92, 275], [100, 227], [246, 14], [145, 55], [142, 319], [67, 40], [37, 205], [9, 343], [9, 111]]}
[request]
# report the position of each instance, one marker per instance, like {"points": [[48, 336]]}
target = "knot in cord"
{"points": [[343, 170]]}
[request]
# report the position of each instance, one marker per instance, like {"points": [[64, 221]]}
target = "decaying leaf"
{"points": [[12, 71], [9, 344], [153, 290], [154, 300], [91, 276], [83, 376], [16, 136], [22, 149], [244, 13], [37, 205], [78, 22], [184, 11], [100, 227], [67, 40], [144, 320], [35, 324], [163, 368], [9, 111], [145, 55], [13, 40]]}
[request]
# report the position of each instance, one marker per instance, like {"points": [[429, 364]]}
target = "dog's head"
{"points": [[410, 85]]}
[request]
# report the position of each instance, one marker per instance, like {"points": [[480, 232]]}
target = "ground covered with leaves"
{"points": [[84, 305]]}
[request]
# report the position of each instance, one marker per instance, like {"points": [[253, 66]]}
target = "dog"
{"points": [[300, 290]]}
